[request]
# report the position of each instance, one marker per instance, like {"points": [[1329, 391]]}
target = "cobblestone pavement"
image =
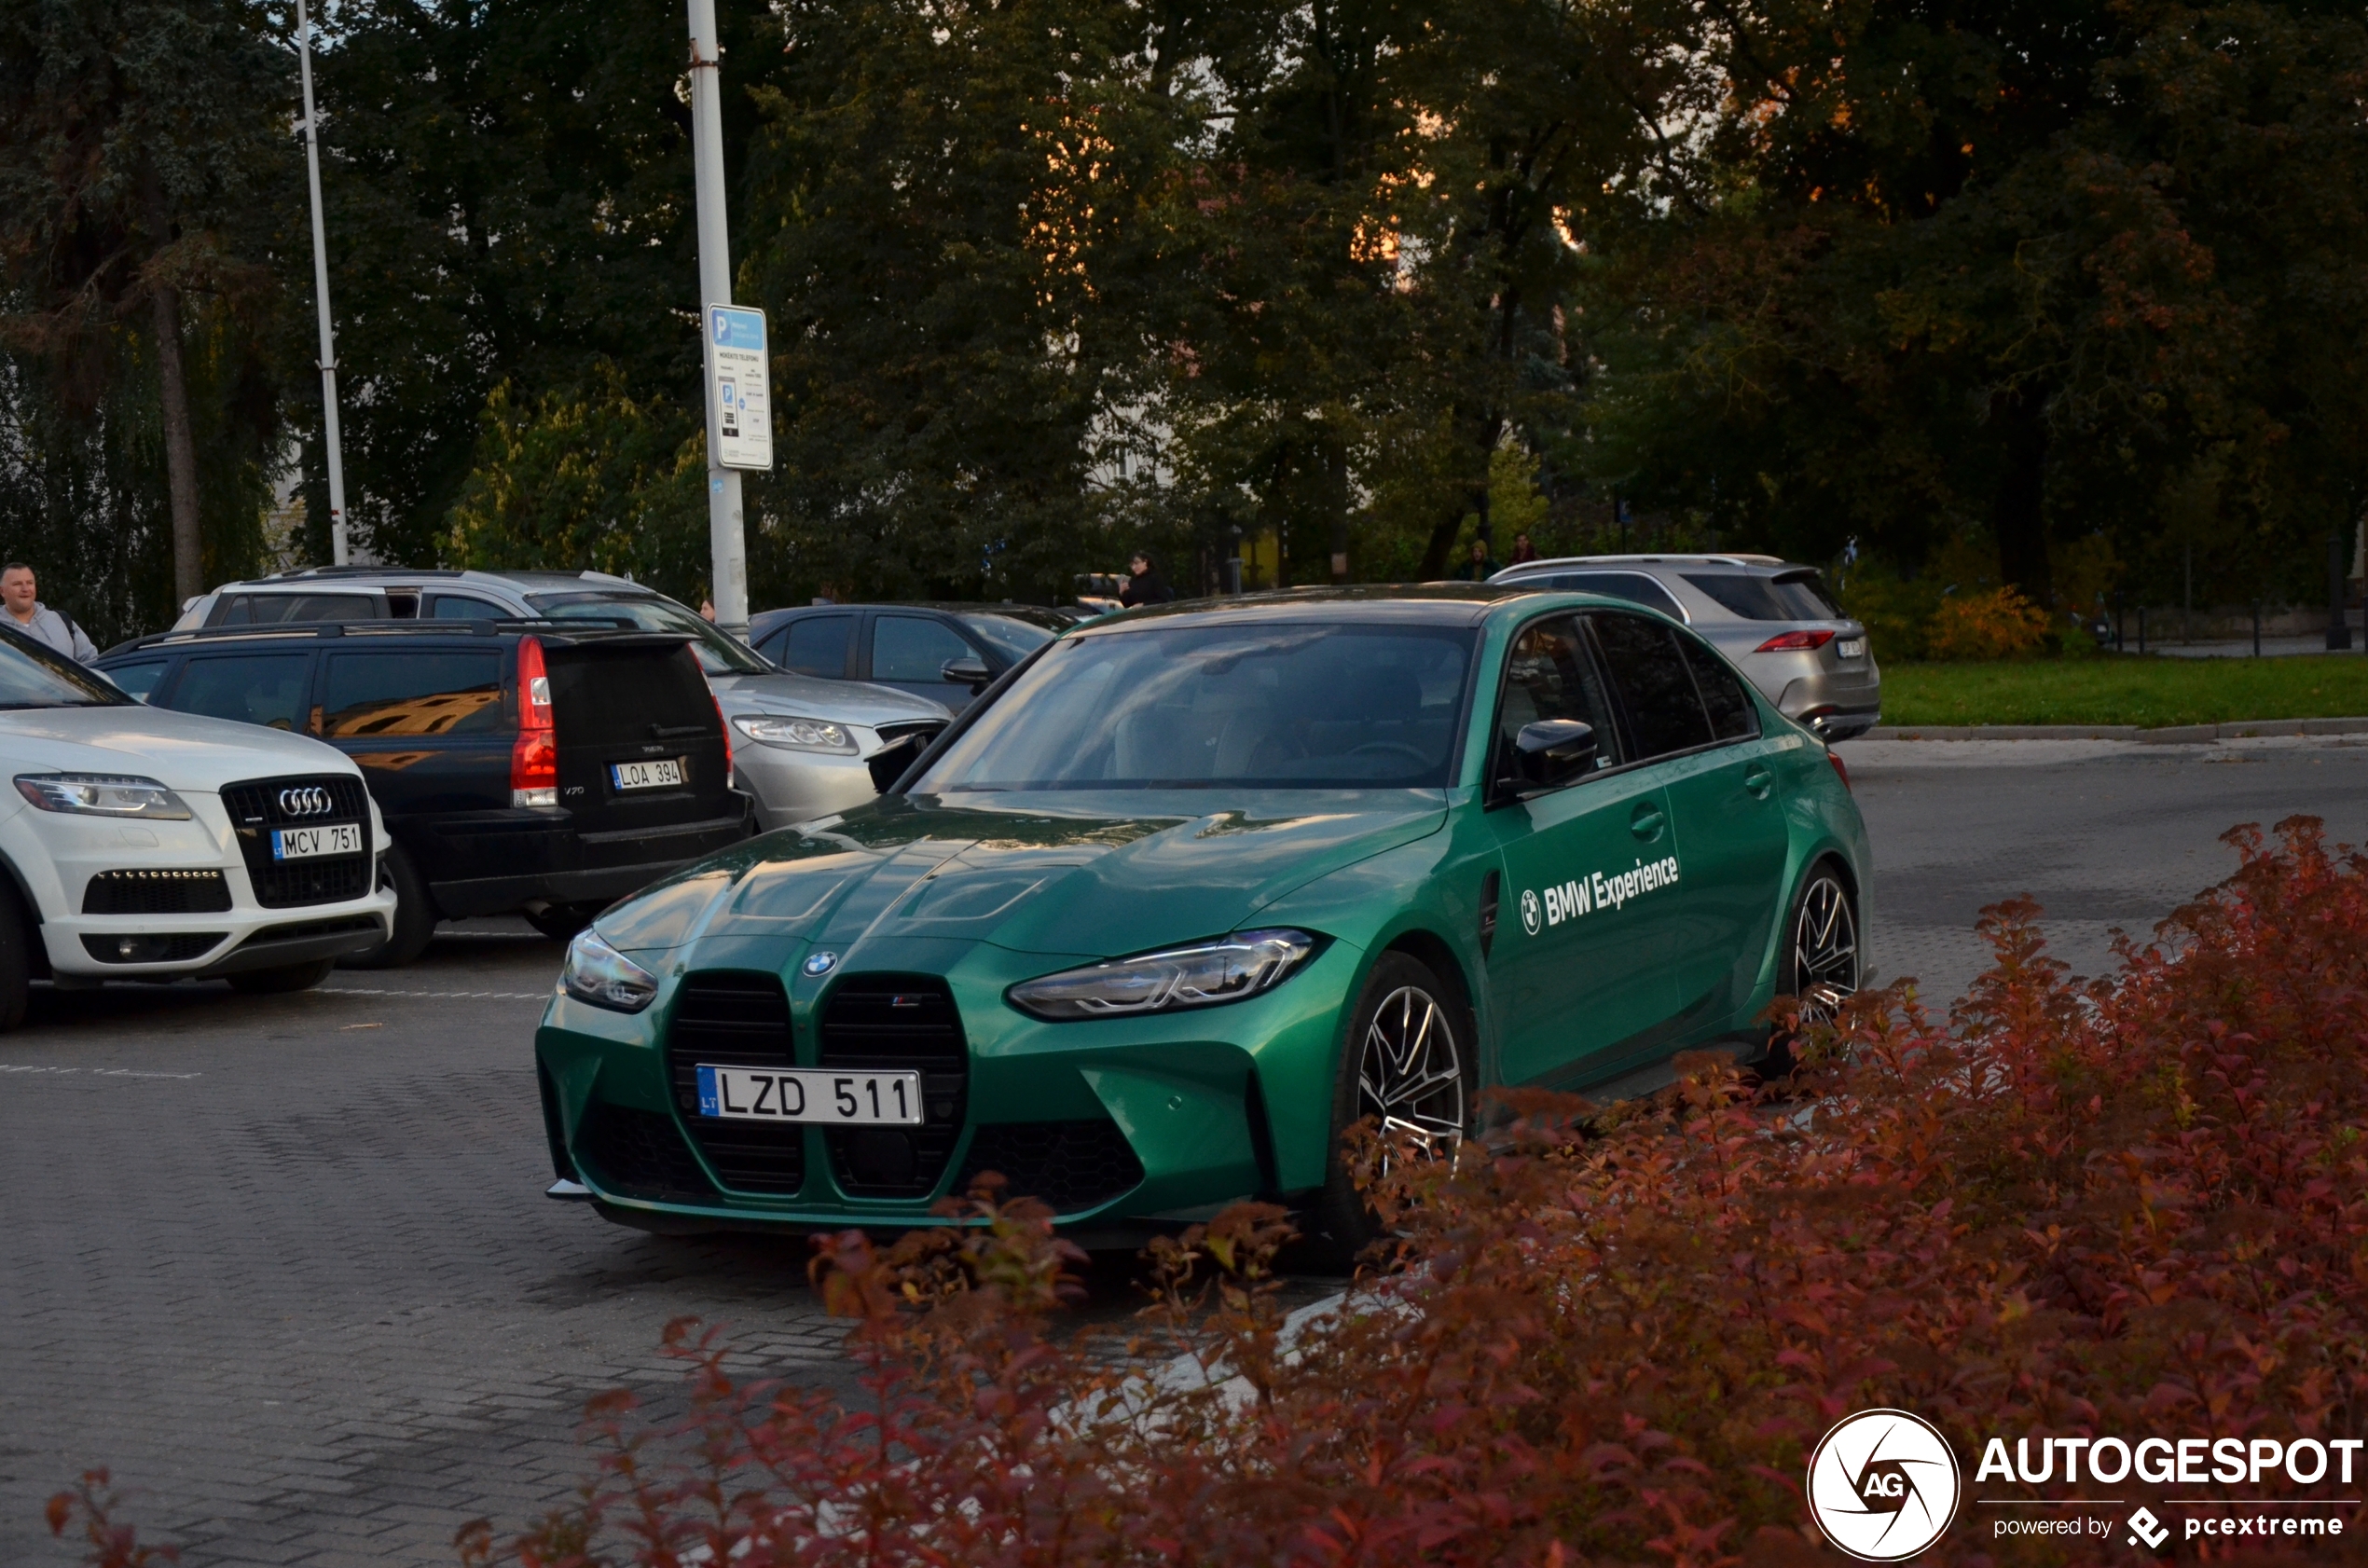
{"points": [[282, 1263]]}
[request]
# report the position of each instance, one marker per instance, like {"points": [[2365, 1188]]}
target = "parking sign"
{"points": [[739, 399]]}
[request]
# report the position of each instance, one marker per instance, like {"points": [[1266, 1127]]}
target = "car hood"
{"points": [[1065, 874], [806, 696], [181, 750]]}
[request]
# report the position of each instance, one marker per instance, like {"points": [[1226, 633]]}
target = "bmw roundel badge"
{"points": [[819, 963]]}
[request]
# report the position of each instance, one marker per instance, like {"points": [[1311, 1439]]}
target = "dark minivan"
{"points": [[546, 768]]}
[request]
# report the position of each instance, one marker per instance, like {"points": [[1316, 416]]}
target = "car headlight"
{"points": [[1203, 975], [103, 794], [598, 974], [799, 735]]}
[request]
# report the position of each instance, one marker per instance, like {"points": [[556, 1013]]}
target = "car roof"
{"points": [[1745, 565], [311, 577], [950, 607], [1455, 604], [555, 632]]}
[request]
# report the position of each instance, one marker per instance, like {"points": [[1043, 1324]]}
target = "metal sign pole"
{"points": [[726, 542], [329, 435]]}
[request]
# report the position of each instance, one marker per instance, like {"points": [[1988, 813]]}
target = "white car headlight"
{"points": [[598, 974], [103, 794], [1225, 970], [799, 735]]}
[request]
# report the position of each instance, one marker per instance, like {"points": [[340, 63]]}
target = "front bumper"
{"points": [[1124, 1126], [792, 786]]}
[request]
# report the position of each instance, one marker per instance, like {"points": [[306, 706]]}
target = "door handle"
{"points": [[1645, 821], [1759, 778]]}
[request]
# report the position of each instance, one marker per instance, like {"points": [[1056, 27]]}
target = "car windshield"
{"points": [[1196, 707], [718, 653], [1796, 596], [1015, 639], [31, 676]]}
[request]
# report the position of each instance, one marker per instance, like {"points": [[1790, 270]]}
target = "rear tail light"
{"points": [[1835, 758], [727, 734], [534, 756], [1795, 642]]}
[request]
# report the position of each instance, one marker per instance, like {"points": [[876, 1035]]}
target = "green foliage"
{"points": [[2124, 689], [586, 478]]}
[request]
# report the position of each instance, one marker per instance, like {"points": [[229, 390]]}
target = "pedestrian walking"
{"points": [[21, 591], [1481, 567], [1144, 583]]}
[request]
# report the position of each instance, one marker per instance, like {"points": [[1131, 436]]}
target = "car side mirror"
{"points": [[971, 671], [1550, 753]]}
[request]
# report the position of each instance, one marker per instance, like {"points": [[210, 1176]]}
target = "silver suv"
{"points": [[804, 748], [1774, 621]]}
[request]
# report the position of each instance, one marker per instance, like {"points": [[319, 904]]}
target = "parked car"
{"points": [[1196, 891], [1773, 618], [141, 845], [804, 746], [544, 767], [946, 652]]}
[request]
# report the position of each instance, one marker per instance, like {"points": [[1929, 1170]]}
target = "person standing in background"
{"points": [[1144, 583], [1523, 549], [20, 590], [1482, 567]]}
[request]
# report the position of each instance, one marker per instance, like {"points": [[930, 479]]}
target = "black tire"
{"points": [[1415, 1029], [414, 916], [17, 934], [561, 921], [1819, 962], [286, 977]]}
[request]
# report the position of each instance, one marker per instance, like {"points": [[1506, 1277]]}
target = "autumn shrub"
{"points": [[1996, 624], [2137, 1206]]}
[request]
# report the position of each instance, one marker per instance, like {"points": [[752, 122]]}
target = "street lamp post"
{"points": [[320, 295], [726, 542]]}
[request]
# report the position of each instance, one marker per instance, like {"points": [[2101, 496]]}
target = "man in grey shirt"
{"points": [[19, 594]]}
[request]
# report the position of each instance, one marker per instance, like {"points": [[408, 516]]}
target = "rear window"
{"points": [[616, 696], [413, 693], [1797, 596], [1634, 586], [1015, 638], [718, 654], [259, 609]]}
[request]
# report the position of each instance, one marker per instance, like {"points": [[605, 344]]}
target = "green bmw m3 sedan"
{"points": [[1194, 890]]}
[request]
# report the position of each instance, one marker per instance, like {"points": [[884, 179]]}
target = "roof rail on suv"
{"points": [[565, 630]]}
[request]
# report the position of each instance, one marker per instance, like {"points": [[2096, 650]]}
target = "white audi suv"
{"points": [[139, 843]]}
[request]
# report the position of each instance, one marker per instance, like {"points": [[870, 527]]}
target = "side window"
{"points": [[139, 679], [412, 694], [460, 607], [254, 688], [813, 645], [1732, 717], [1549, 674], [908, 648], [254, 610], [1663, 708]]}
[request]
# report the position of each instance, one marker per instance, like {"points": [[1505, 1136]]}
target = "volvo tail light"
{"points": [[1795, 642], [534, 756], [727, 736]]}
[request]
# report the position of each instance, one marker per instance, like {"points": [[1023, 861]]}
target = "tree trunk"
{"points": [[2018, 517], [180, 448]]}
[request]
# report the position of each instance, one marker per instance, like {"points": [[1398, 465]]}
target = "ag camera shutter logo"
{"points": [[1883, 1485]]}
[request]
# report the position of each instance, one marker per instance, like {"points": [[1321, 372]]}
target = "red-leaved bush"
{"points": [[2132, 1208]]}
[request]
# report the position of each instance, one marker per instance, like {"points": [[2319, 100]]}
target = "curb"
{"points": [[2168, 735]]}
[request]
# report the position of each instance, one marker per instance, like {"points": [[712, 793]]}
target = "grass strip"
{"points": [[2150, 691]]}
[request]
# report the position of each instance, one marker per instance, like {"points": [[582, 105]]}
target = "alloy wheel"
{"points": [[1410, 1075], [1825, 951]]}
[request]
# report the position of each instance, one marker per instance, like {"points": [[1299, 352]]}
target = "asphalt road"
{"points": [[282, 1263]]}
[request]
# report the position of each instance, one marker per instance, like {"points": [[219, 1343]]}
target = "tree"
{"points": [[138, 161]]}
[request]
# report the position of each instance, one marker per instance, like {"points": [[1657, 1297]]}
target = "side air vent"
{"points": [[1067, 1165], [726, 1018], [891, 1021], [639, 1154]]}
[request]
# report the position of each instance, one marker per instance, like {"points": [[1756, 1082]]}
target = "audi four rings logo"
{"points": [[307, 802]]}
